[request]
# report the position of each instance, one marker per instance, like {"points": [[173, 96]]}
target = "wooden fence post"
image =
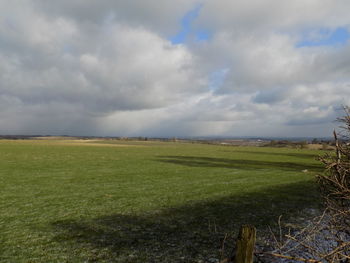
{"points": [[245, 244]]}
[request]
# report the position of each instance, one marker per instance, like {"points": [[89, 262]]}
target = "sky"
{"points": [[174, 68]]}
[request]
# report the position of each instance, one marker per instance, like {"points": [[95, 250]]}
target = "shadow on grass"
{"points": [[188, 233], [195, 161], [309, 156]]}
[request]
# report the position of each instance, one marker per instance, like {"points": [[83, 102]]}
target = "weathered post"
{"points": [[245, 244]]}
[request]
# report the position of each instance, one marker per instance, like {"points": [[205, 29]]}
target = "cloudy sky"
{"points": [[173, 68]]}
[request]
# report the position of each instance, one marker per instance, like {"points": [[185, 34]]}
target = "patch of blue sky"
{"points": [[187, 29], [325, 37], [217, 78], [203, 35]]}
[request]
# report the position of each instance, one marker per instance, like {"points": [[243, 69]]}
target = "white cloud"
{"points": [[107, 67], [257, 16], [54, 67]]}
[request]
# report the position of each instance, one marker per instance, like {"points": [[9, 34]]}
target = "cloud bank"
{"points": [[110, 67]]}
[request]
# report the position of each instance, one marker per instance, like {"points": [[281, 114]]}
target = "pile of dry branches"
{"points": [[327, 238], [335, 183]]}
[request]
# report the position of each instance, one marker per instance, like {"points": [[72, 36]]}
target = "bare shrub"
{"points": [[326, 238]]}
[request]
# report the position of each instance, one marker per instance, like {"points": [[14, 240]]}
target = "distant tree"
{"points": [[314, 141], [303, 145]]}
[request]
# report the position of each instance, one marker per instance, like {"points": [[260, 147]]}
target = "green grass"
{"points": [[150, 202]]}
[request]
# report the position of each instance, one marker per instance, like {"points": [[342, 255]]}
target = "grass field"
{"points": [[113, 201]]}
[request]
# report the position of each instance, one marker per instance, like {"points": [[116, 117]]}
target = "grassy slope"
{"points": [[165, 201]]}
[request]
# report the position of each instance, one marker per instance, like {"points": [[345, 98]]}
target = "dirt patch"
{"points": [[320, 147], [54, 138], [93, 143]]}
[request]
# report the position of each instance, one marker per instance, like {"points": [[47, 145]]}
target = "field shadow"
{"points": [[310, 156], [196, 161], [189, 233]]}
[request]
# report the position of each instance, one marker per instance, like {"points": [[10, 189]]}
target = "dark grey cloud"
{"points": [[159, 16], [60, 69]]}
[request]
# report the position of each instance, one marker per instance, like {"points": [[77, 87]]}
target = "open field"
{"points": [[115, 201]]}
